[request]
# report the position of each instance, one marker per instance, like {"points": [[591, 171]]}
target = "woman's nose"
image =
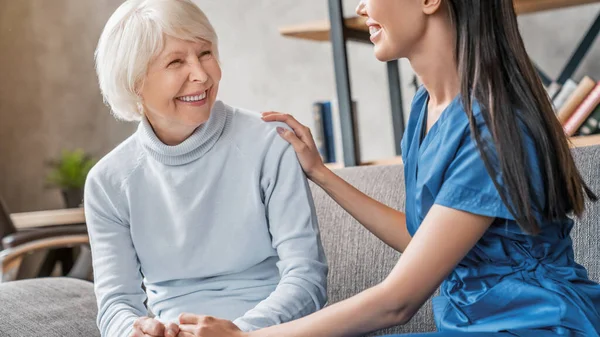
{"points": [[361, 9], [197, 73]]}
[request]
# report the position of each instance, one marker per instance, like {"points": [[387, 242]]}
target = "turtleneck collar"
{"points": [[194, 147]]}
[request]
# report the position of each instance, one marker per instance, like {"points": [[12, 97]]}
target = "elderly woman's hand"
{"points": [[150, 327], [191, 325], [302, 141]]}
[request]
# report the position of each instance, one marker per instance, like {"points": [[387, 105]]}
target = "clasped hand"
{"points": [[190, 325]]}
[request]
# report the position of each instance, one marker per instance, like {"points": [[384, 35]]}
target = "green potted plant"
{"points": [[68, 173]]}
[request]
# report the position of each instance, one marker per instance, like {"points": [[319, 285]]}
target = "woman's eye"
{"points": [[174, 62], [205, 54]]}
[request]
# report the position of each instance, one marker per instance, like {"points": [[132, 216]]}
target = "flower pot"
{"points": [[73, 197]]}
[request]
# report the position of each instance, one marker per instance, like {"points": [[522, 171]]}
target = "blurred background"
{"points": [[50, 101]]}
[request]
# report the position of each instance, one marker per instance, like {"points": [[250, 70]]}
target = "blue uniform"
{"points": [[510, 282]]}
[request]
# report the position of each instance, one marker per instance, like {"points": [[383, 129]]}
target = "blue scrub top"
{"points": [[509, 280]]}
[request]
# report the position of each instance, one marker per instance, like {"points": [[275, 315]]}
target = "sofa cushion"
{"points": [[586, 233], [357, 259], [49, 307]]}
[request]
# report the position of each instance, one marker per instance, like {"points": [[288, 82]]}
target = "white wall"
{"points": [[49, 98]]}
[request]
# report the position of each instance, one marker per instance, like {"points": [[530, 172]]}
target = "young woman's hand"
{"points": [[191, 325], [150, 327], [302, 141]]}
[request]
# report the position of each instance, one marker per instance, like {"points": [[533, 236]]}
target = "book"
{"points": [[583, 111], [552, 89], [317, 112], [328, 132], [567, 90], [337, 132], [581, 92], [592, 124]]}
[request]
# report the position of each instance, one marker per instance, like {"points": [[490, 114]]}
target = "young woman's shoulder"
{"points": [[416, 109]]}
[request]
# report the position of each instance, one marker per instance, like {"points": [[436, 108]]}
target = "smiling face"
{"points": [[396, 26], [180, 88]]}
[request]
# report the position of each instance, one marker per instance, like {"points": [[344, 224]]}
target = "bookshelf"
{"points": [[574, 142], [584, 141], [531, 6], [339, 30], [320, 30]]}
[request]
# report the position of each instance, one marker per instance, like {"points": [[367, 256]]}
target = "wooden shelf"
{"points": [[48, 218], [319, 30], [583, 141], [574, 142], [531, 6]]}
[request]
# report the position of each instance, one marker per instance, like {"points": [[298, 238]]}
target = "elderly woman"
{"points": [[205, 205]]}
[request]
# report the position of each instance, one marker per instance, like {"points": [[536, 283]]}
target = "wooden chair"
{"points": [[58, 240]]}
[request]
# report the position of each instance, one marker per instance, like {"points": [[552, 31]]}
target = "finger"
{"points": [[189, 328], [269, 113], [139, 323], [285, 118], [185, 334], [153, 327], [302, 131], [186, 318], [272, 117], [137, 333], [280, 117], [171, 330], [298, 145]]}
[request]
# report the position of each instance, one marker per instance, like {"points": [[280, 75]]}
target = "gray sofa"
{"points": [[357, 260]]}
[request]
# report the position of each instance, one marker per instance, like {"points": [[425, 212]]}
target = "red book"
{"points": [[583, 111]]}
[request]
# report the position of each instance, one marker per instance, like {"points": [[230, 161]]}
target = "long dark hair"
{"points": [[497, 73]]}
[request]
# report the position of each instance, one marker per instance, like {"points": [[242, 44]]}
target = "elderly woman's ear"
{"points": [[140, 107]]}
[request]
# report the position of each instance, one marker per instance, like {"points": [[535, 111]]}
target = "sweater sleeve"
{"points": [[295, 236], [117, 276]]}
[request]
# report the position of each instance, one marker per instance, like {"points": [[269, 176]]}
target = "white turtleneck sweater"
{"points": [[222, 224]]}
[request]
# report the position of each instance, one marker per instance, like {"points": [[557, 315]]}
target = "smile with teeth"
{"points": [[195, 98], [374, 30]]}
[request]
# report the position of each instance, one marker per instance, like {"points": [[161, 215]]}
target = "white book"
{"points": [[552, 89], [585, 130], [567, 90], [317, 130], [337, 132]]}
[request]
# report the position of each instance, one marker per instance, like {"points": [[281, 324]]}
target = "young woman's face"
{"points": [[396, 26]]}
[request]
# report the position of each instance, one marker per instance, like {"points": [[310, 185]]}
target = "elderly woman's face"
{"points": [[180, 88]]}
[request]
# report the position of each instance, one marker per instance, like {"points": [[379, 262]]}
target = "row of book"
{"points": [[577, 107], [327, 131]]}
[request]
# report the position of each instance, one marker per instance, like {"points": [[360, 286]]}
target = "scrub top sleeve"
{"points": [[467, 186]]}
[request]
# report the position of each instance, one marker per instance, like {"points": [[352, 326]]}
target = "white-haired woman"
{"points": [[204, 204]]}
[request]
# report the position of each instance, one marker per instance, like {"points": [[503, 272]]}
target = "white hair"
{"points": [[133, 36]]}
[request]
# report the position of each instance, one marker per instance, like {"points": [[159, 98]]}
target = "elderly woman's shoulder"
{"points": [[252, 122], [118, 163]]}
